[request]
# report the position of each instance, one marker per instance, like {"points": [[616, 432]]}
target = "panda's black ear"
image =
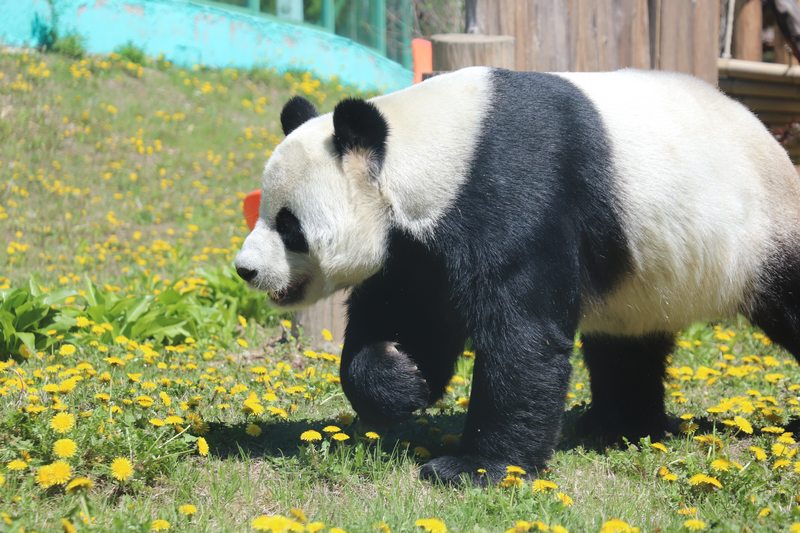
{"points": [[359, 125], [296, 112]]}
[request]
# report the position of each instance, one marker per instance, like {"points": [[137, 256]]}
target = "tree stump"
{"points": [[328, 313], [452, 51]]}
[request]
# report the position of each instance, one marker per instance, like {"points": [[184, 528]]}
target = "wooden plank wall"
{"points": [[590, 35]]}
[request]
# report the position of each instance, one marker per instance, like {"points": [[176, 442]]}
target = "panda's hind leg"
{"points": [[775, 308], [627, 384]]}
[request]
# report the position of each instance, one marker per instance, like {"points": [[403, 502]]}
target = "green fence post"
{"points": [[255, 5], [379, 25], [406, 23], [328, 16]]}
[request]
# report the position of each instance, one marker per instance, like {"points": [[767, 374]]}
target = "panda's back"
{"points": [[708, 197], [682, 196]]}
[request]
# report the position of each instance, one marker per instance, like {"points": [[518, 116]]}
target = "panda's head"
{"points": [[323, 222]]}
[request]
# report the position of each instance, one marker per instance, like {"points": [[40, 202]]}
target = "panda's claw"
{"points": [[464, 470]]}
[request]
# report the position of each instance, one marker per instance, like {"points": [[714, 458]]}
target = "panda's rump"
{"points": [[704, 189]]}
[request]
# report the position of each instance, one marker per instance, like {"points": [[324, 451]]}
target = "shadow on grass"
{"points": [[434, 432], [282, 438]]}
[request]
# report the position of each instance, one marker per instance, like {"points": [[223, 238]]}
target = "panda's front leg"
{"points": [[519, 388], [402, 341]]}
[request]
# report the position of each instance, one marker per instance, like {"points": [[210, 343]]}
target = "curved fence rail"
{"points": [[215, 34]]}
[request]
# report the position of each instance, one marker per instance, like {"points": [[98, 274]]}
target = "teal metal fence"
{"points": [[386, 26]]}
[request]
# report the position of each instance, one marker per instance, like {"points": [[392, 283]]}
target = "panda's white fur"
{"points": [[706, 192]]}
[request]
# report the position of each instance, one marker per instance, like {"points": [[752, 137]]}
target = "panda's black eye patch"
{"points": [[288, 227]]}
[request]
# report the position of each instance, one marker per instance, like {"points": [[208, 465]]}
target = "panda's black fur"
{"points": [[536, 234], [510, 277]]}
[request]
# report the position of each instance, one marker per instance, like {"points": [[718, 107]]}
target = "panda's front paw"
{"points": [[384, 384], [451, 470]]}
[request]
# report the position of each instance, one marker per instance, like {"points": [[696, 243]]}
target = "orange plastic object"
{"points": [[422, 53], [250, 207]]}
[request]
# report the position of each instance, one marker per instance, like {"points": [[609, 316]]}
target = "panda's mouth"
{"points": [[290, 294]]}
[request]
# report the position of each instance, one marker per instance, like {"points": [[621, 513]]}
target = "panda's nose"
{"points": [[246, 274]]}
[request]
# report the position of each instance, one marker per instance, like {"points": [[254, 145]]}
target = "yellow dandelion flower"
{"points": [[794, 528], [431, 525], [520, 526], [371, 435], [275, 523], [310, 436], [56, 473], [66, 349], [337, 530], [511, 481], [327, 335], [658, 446], [772, 429], [720, 465], [62, 422], [543, 485], [703, 479], [781, 463], [68, 526], [341, 437], [64, 448], [254, 430], [187, 509], [565, 499], [695, 524], [331, 429], [315, 527], [743, 425], [616, 525], [759, 453], [79, 483], [16, 464], [2, 480], [121, 469], [764, 512], [202, 446], [515, 470], [159, 525]]}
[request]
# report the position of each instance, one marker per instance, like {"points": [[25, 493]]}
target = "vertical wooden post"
{"points": [[254, 5], [747, 31]]}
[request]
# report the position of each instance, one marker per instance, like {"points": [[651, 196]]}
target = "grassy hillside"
{"points": [[143, 387]]}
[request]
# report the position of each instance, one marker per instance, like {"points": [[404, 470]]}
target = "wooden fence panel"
{"points": [[591, 35], [686, 36]]}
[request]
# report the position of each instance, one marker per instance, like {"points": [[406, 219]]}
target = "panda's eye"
{"points": [[288, 227]]}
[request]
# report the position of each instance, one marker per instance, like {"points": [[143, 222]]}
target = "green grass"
{"points": [[120, 190]]}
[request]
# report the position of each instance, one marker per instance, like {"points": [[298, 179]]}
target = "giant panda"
{"points": [[515, 209]]}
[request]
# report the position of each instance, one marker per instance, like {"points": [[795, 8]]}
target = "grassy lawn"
{"points": [[149, 389]]}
